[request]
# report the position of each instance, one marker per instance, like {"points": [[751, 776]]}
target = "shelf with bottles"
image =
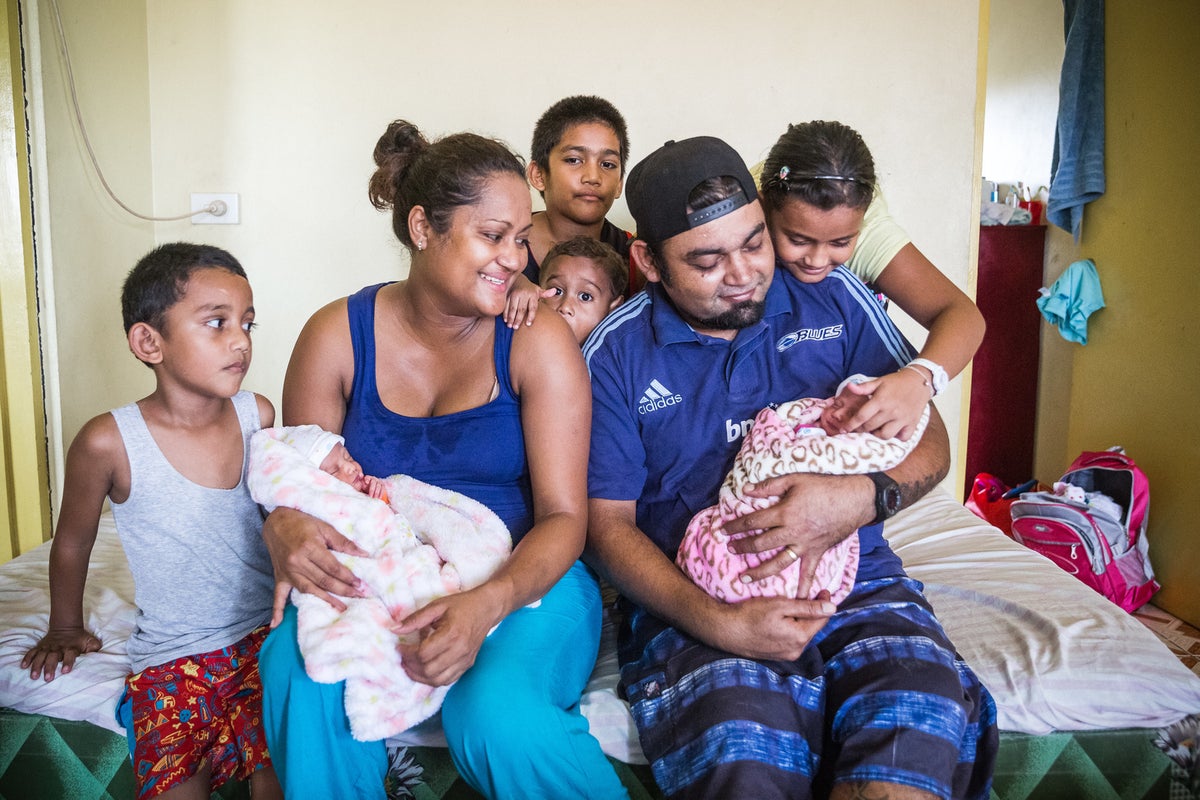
{"points": [[1020, 205]]}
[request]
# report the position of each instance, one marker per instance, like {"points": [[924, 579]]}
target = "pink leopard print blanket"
{"points": [[427, 543], [783, 441]]}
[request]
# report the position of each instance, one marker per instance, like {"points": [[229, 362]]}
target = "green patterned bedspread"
{"points": [[49, 759]]}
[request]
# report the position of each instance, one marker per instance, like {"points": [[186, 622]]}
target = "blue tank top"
{"points": [[479, 452]]}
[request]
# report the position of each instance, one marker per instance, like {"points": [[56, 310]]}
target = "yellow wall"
{"points": [[1137, 381], [273, 100], [24, 499], [281, 101], [86, 243]]}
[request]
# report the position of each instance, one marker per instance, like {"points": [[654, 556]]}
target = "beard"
{"points": [[738, 316], [742, 315]]}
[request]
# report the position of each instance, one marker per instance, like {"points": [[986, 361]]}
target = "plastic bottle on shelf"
{"points": [[992, 193]]}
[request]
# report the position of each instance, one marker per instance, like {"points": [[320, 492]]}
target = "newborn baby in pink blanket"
{"points": [[424, 542], [796, 437]]}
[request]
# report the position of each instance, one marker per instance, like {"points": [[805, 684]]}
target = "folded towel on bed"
{"points": [[781, 442], [425, 543], [1077, 168]]}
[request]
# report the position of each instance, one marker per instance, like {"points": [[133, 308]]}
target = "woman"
{"points": [[422, 377], [819, 191]]}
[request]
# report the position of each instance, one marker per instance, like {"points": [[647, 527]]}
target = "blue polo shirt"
{"points": [[670, 406]]}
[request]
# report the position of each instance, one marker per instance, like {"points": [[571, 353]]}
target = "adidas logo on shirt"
{"points": [[656, 397]]}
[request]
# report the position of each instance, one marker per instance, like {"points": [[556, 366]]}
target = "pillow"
{"points": [[1055, 654]]}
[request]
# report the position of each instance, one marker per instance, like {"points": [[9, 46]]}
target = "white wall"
{"points": [[84, 243], [281, 101], [1025, 51]]}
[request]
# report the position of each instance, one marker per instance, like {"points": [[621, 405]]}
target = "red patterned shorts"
{"points": [[197, 709]]}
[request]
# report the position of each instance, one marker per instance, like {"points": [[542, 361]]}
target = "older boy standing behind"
{"points": [[577, 164], [173, 465]]}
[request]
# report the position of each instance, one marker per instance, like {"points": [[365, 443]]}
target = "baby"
{"points": [[341, 465], [424, 543], [799, 436]]}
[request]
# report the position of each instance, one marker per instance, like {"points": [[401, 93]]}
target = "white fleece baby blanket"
{"points": [[425, 543]]}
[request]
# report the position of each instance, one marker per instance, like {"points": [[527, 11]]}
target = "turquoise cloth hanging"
{"points": [[1072, 299]]}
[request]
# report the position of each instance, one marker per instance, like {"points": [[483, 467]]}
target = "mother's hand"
{"points": [[301, 548], [439, 642]]}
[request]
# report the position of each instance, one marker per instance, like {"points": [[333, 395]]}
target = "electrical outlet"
{"points": [[229, 216]]}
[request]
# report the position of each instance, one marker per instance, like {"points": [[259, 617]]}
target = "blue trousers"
{"points": [[878, 695], [512, 721]]}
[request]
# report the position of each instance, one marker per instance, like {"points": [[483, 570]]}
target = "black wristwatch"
{"points": [[887, 496]]}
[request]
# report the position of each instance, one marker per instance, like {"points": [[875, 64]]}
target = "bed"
{"points": [[1082, 688]]}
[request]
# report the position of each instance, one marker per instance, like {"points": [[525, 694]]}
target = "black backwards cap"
{"points": [[657, 189]]}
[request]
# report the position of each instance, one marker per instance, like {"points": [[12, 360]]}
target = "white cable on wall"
{"points": [[216, 208]]}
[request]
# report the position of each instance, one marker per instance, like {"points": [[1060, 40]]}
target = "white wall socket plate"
{"points": [[201, 201]]}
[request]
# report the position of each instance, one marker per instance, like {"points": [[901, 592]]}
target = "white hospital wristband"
{"points": [[936, 372]]}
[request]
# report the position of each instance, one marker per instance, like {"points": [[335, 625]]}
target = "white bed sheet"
{"points": [[89, 691], [1055, 655], [1013, 614]]}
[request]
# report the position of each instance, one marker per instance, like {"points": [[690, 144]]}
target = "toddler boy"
{"points": [[582, 279]]}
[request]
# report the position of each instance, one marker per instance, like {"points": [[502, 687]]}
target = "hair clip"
{"points": [[842, 178], [785, 178]]}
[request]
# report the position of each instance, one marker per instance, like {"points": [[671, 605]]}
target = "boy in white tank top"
{"points": [[173, 466]]}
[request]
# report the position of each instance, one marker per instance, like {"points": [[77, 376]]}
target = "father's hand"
{"points": [[813, 514], [771, 628], [301, 548]]}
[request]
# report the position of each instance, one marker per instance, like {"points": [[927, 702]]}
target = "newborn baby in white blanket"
{"points": [[424, 542]]}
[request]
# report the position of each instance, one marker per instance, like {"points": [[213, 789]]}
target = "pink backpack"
{"points": [[1101, 543]]}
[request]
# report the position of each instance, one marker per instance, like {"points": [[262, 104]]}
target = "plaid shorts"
{"points": [[879, 695], [197, 709]]}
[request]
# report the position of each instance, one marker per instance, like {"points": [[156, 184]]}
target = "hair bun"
{"points": [[394, 154]]}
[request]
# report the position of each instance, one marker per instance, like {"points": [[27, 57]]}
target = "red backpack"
{"points": [[1103, 544]]}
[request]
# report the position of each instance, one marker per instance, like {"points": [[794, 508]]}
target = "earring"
{"points": [[421, 245]]}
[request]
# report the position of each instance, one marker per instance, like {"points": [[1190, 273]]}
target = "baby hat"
{"points": [[312, 441]]}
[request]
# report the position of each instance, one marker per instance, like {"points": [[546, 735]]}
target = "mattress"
{"points": [[1081, 687]]}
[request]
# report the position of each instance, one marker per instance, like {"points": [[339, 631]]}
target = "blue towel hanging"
{"points": [[1077, 168]]}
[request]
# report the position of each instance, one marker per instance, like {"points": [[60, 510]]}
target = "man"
{"points": [[770, 697]]}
